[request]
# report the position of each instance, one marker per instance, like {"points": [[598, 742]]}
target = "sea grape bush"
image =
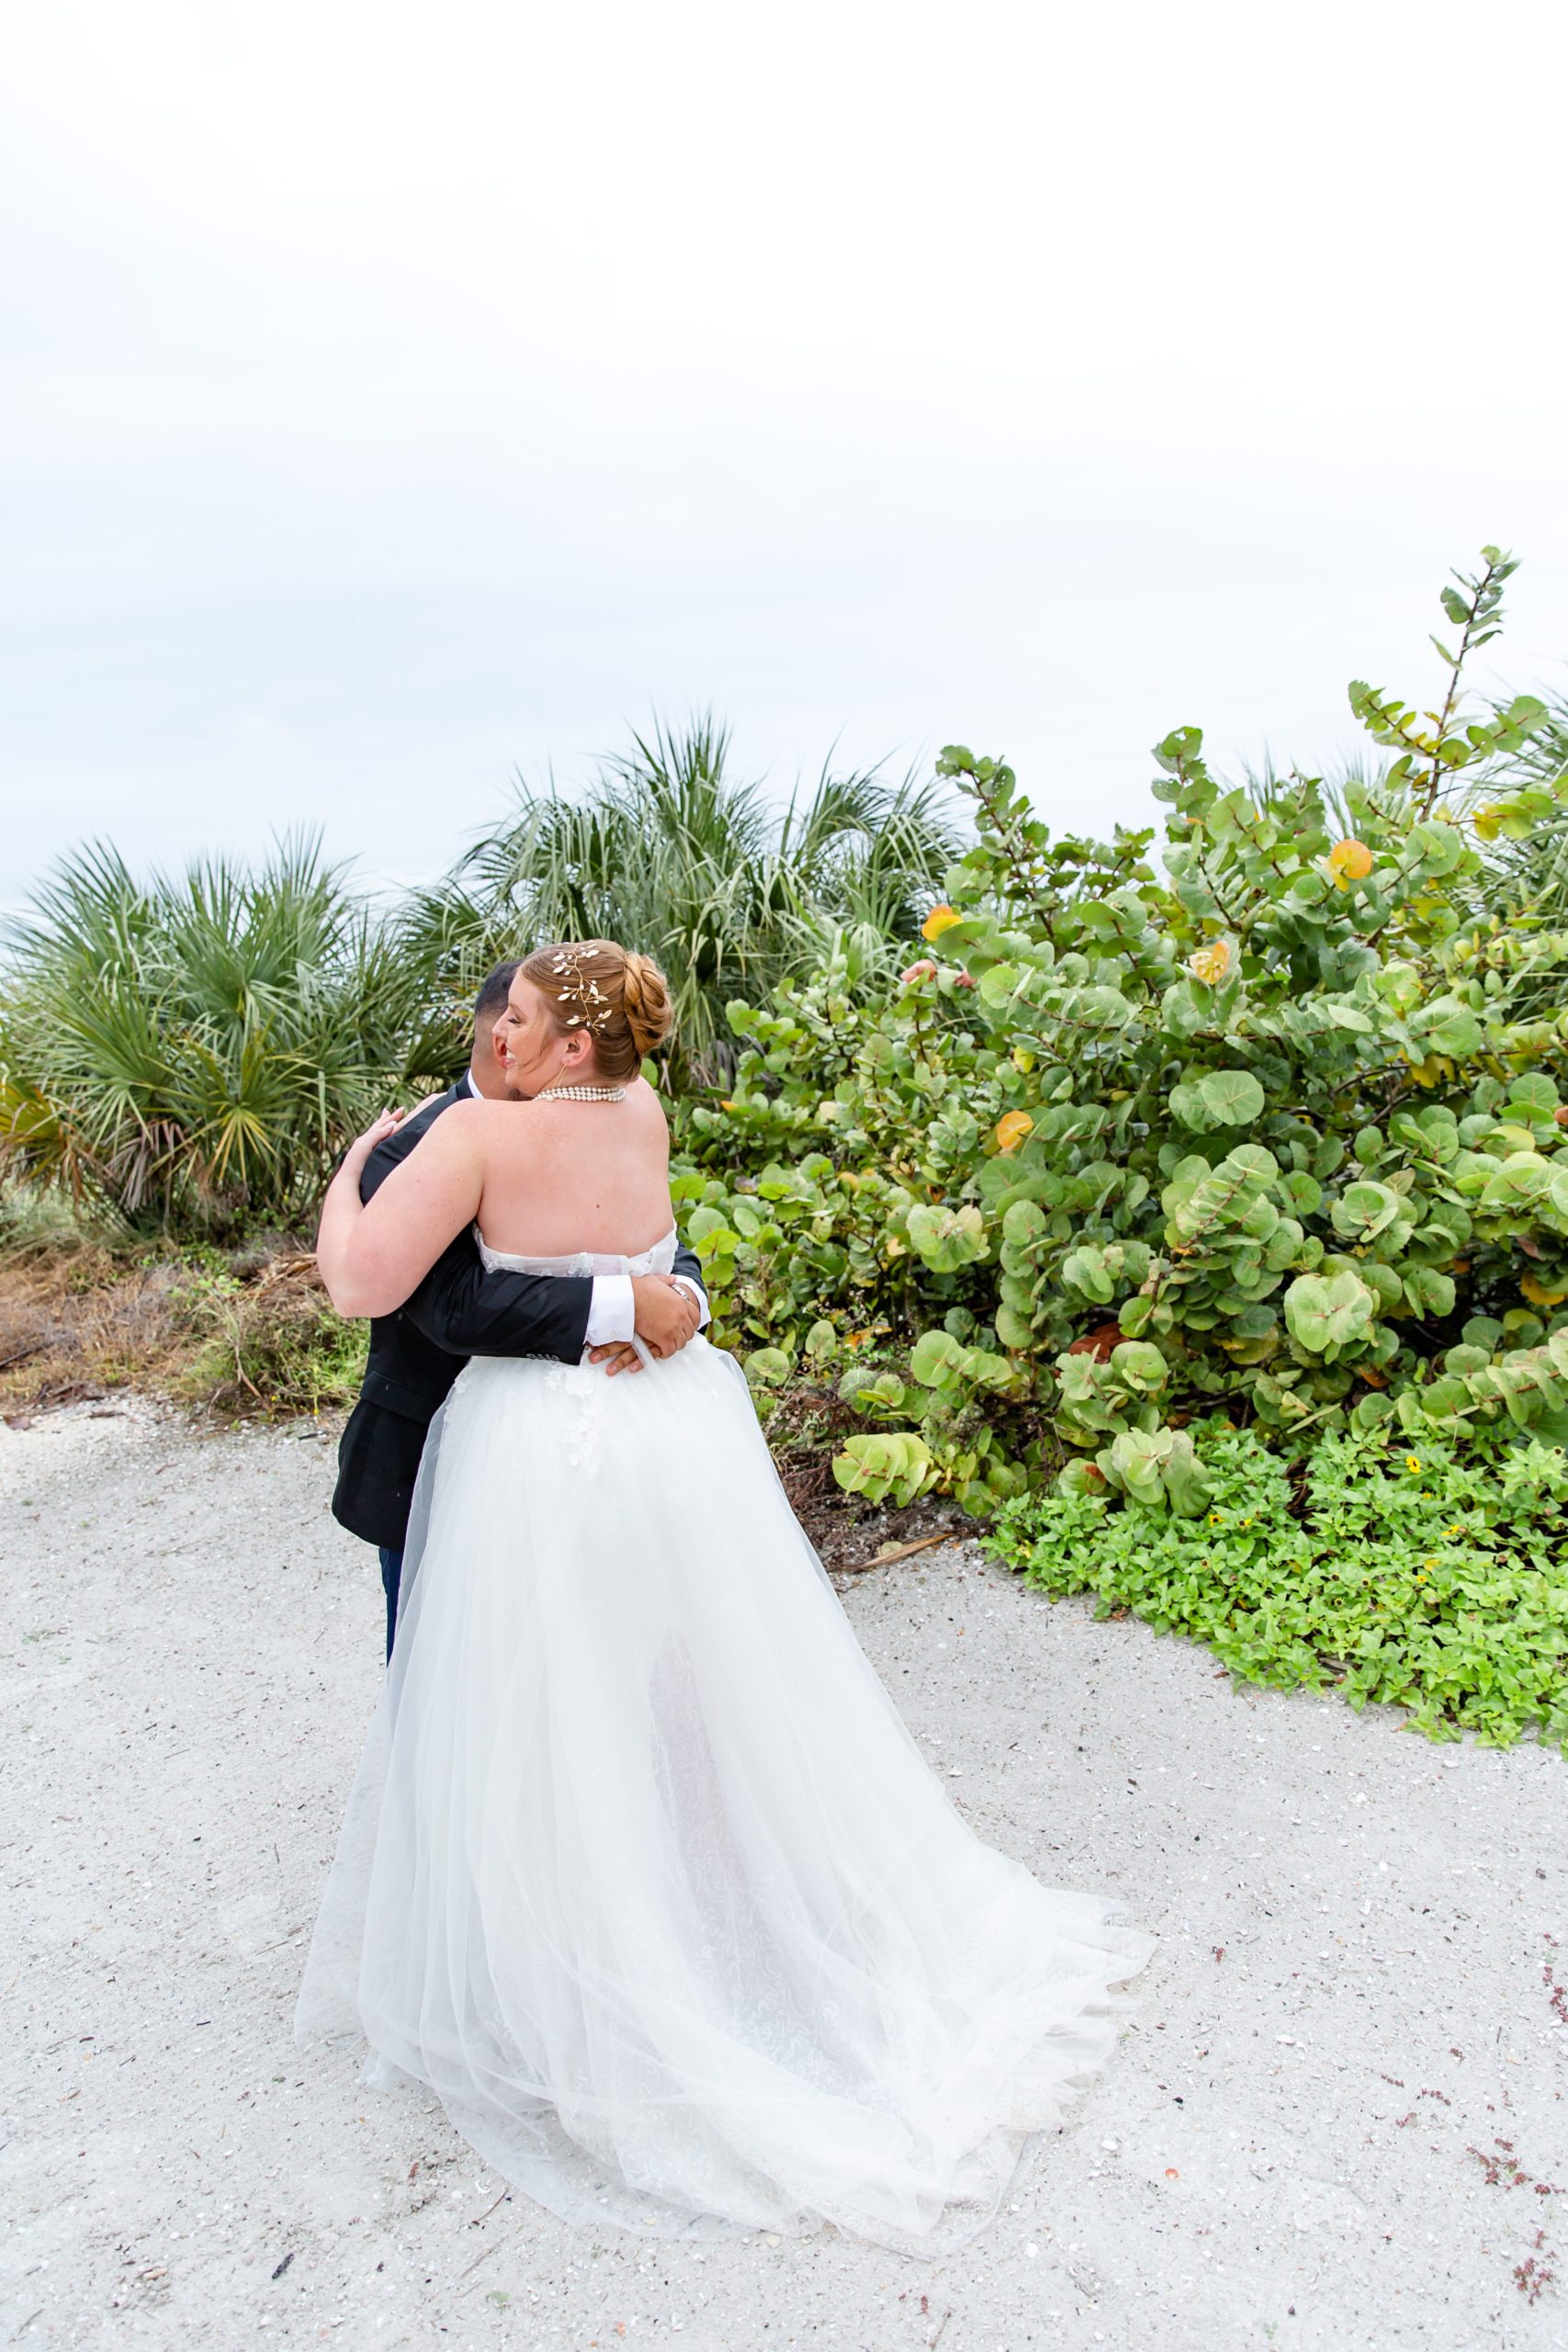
{"points": [[1253, 1133]]}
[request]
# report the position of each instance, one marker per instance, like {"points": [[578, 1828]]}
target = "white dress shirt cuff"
{"points": [[613, 1313]]}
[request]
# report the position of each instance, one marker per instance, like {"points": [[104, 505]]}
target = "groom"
{"points": [[460, 1309]]}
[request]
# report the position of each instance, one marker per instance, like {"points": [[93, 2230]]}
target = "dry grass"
{"points": [[245, 1333], [77, 1321]]}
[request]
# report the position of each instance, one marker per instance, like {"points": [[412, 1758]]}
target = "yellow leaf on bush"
{"points": [[1538, 1293], [1349, 861], [939, 918], [1212, 963], [1489, 821], [1011, 1129]]}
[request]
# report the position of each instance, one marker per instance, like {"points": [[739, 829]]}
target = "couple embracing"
{"points": [[641, 1873]]}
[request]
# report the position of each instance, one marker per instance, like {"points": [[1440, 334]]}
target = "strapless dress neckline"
{"points": [[657, 1260]]}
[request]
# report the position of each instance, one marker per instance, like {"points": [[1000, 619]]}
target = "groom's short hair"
{"points": [[494, 992]]}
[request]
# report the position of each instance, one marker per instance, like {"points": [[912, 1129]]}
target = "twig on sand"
{"points": [[899, 1552], [484, 2253]]}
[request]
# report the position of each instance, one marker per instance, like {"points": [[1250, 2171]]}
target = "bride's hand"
{"points": [[360, 1149]]}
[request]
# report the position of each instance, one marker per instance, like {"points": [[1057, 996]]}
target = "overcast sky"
{"points": [[395, 396]]}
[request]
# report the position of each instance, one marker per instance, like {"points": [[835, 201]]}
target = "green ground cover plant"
{"points": [[1432, 1576]]}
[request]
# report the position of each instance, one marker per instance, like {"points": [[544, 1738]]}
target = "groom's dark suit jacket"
{"points": [[460, 1309]]}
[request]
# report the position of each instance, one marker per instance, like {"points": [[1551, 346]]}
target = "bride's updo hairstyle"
{"points": [[622, 998]]}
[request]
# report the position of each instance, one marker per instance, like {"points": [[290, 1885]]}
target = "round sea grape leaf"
{"points": [[1086, 1269], [1139, 1365], [947, 1238], [1455, 1032], [1523, 1179], [1232, 1098], [1364, 1209], [1303, 1192], [1014, 1330], [1022, 1223], [1533, 1093], [1187, 1103], [1428, 1292], [1325, 1311], [998, 985], [938, 1357]]}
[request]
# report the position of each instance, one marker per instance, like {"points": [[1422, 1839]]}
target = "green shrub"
{"points": [[270, 1345], [1260, 1130], [1432, 1578]]}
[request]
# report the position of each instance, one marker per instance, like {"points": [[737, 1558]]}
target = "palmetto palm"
{"points": [[669, 853], [1525, 879], [197, 1051]]}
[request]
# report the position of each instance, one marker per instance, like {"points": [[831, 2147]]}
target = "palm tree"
{"points": [[669, 852]]}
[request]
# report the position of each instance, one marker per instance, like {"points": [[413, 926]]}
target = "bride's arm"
{"points": [[372, 1254]]}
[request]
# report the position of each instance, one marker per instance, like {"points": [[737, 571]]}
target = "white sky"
{"points": [[394, 395]]}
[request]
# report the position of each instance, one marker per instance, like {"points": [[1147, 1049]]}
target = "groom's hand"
{"points": [[664, 1317]]}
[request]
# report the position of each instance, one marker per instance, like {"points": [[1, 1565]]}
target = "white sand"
{"points": [[1282, 2152]]}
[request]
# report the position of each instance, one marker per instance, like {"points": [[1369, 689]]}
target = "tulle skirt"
{"points": [[642, 1874]]}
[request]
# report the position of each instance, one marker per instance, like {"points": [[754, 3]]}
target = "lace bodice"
{"points": [[657, 1261]]}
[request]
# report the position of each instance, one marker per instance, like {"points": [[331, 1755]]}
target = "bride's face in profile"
{"points": [[534, 1050]]}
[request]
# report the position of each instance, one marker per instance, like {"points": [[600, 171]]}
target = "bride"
{"points": [[641, 1873]]}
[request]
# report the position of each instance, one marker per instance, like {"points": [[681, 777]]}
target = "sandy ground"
{"points": [[1337, 2118]]}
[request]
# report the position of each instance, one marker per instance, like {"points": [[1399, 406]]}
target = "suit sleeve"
{"points": [[471, 1310], [687, 1263]]}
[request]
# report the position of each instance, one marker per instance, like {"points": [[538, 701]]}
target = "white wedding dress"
{"points": [[642, 1873]]}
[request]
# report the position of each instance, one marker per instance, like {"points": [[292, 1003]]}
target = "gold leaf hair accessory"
{"points": [[590, 1008]]}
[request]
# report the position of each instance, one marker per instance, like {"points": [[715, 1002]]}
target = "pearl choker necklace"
{"points": [[581, 1094]]}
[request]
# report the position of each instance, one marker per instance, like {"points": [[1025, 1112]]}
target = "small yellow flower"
{"points": [[1413, 1464], [1457, 1529]]}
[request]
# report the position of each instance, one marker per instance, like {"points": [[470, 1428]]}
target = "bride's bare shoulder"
{"points": [[483, 1126], [648, 1107]]}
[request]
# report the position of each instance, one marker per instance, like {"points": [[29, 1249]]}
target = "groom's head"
{"points": [[488, 1069]]}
